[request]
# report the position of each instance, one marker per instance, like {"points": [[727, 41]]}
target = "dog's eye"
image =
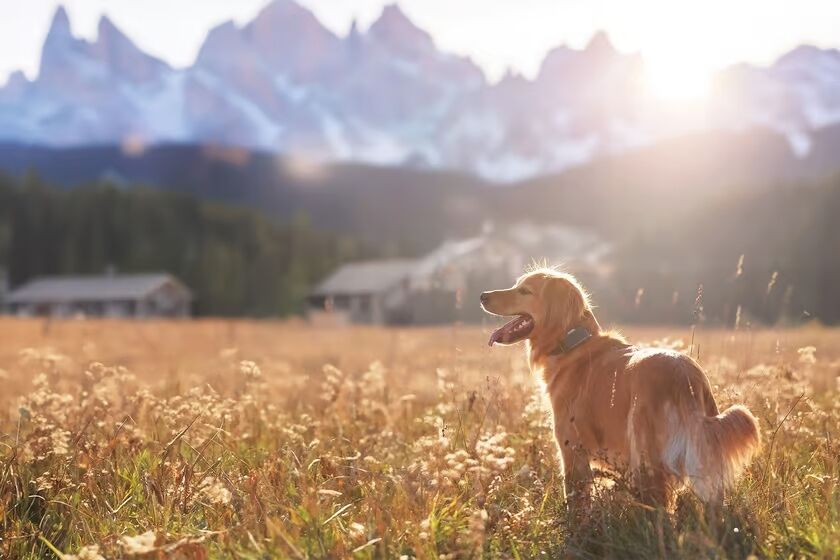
{"points": [[524, 291]]}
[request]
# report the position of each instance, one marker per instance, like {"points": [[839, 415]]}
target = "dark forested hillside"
{"points": [[411, 210], [408, 210], [237, 261], [774, 253]]}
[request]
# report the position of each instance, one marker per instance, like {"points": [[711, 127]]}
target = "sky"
{"points": [[682, 42]]}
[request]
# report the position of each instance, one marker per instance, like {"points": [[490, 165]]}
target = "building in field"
{"points": [[109, 295], [367, 292], [444, 285]]}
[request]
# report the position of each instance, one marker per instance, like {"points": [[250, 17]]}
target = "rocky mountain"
{"points": [[798, 95], [388, 95]]}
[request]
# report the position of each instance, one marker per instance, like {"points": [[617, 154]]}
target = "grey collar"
{"points": [[572, 340]]}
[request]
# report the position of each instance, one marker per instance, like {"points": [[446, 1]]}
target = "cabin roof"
{"points": [[366, 277], [56, 289]]}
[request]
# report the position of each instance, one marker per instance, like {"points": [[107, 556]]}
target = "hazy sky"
{"points": [[688, 38]]}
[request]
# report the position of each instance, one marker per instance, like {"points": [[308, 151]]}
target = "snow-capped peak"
{"points": [[60, 26], [61, 50], [108, 32], [600, 45], [807, 54], [122, 57], [282, 17], [17, 79], [394, 29]]}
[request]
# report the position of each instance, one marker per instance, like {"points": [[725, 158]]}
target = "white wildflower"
{"points": [[215, 491], [331, 387], [356, 531], [373, 381], [90, 552], [139, 544], [807, 355], [250, 370], [60, 441]]}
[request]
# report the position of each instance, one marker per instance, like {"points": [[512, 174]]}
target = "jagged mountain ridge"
{"points": [[387, 95]]}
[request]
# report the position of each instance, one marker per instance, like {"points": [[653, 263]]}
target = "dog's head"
{"points": [[545, 304]]}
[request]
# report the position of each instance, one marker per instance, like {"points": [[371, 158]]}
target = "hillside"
{"points": [[411, 210]]}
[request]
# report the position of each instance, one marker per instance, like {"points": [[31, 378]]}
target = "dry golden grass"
{"points": [[262, 440]]}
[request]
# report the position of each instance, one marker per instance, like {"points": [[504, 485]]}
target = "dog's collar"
{"points": [[572, 340]]}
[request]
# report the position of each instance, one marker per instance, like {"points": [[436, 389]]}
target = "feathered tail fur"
{"points": [[710, 452]]}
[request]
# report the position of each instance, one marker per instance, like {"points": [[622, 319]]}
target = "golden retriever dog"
{"points": [[644, 411]]}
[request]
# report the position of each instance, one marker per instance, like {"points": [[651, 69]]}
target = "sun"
{"points": [[675, 77]]}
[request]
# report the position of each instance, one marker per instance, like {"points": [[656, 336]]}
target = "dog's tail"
{"points": [[718, 450]]}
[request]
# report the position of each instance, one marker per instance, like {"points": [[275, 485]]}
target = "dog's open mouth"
{"points": [[512, 331]]}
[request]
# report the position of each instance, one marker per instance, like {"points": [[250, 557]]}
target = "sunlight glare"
{"points": [[671, 76]]}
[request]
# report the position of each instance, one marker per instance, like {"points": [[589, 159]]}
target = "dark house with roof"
{"points": [[365, 292], [110, 295]]}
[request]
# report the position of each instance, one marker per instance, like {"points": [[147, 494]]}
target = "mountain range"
{"points": [[387, 95]]}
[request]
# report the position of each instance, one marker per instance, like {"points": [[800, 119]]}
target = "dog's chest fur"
{"points": [[590, 400]]}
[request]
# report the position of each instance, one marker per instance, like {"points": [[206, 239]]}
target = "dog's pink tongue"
{"points": [[497, 336]]}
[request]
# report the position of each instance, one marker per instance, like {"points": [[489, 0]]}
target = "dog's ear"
{"points": [[565, 304]]}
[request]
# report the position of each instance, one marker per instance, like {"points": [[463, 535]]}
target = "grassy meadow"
{"points": [[252, 440]]}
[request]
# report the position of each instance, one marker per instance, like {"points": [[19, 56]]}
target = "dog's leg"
{"points": [[656, 486], [577, 476], [714, 510]]}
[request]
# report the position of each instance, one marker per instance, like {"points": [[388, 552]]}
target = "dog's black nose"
{"points": [[484, 297]]}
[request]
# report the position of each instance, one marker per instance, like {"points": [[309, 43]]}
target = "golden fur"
{"points": [[648, 412]]}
